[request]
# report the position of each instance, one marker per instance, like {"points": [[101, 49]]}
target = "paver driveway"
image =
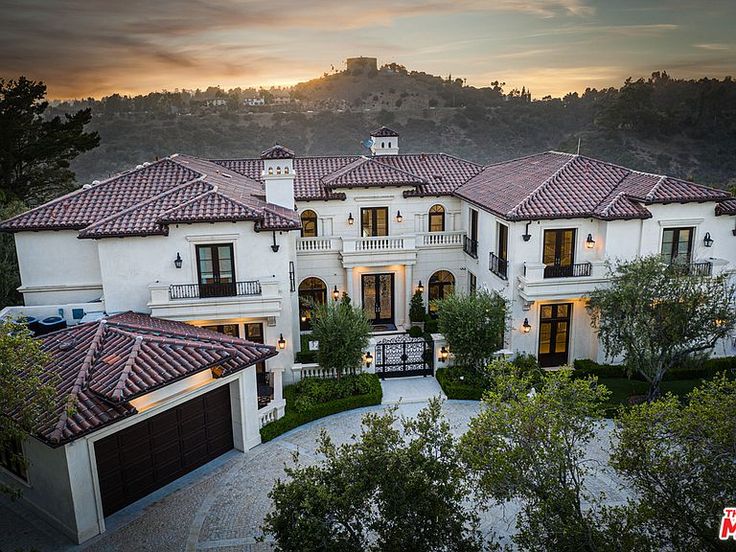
{"points": [[221, 508]]}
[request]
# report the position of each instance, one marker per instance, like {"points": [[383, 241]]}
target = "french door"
{"points": [[559, 252], [374, 221], [216, 270], [554, 334], [677, 244], [378, 297]]}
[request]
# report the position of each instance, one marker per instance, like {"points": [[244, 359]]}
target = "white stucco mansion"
{"points": [[237, 246]]}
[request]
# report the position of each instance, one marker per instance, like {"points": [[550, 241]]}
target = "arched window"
{"points": [[309, 224], [383, 144], [312, 291], [278, 170], [437, 218], [286, 170], [270, 170], [441, 285]]}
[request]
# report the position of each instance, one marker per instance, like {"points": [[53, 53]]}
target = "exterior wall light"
{"points": [[178, 261], [444, 353], [590, 242], [217, 371], [351, 220], [526, 327], [399, 217], [368, 359], [707, 240], [281, 342], [420, 287], [335, 293]]}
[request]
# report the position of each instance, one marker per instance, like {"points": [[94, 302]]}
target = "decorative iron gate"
{"points": [[403, 356]]}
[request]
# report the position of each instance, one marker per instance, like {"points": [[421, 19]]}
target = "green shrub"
{"points": [[462, 383], [694, 369], [416, 307], [431, 325], [416, 331], [313, 398], [306, 357]]}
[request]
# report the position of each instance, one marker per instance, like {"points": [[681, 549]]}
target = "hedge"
{"points": [[448, 379], [692, 370], [294, 418]]}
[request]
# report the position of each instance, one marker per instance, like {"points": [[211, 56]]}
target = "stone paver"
{"points": [[410, 390], [222, 508]]}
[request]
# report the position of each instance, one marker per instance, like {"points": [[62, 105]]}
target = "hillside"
{"points": [[683, 128]]}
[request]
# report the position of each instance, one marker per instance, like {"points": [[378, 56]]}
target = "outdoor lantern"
{"points": [[526, 327], [399, 218], [351, 220], [335, 294], [707, 240], [178, 261], [590, 242], [444, 353], [368, 359], [281, 342], [420, 287]]}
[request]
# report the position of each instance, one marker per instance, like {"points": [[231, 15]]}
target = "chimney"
{"points": [[278, 176], [384, 141]]}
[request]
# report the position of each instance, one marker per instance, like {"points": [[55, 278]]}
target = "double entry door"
{"points": [[554, 334], [378, 297]]}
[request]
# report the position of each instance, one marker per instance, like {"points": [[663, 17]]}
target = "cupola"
{"points": [[278, 175], [384, 141]]}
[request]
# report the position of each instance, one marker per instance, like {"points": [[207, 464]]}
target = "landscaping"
{"points": [[314, 398]]}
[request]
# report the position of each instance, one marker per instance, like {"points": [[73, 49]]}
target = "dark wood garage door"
{"points": [[138, 460]]}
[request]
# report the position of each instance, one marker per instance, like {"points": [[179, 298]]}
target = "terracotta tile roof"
{"points": [[100, 366], [560, 185], [727, 207], [441, 172], [212, 206], [277, 152], [384, 131], [370, 171]]}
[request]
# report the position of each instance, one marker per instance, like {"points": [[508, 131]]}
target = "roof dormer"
{"points": [[384, 141]]}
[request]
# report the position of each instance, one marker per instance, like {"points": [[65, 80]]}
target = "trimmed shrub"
{"points": [[694, 369], [461, 383], [416, 331], [313, 398]]}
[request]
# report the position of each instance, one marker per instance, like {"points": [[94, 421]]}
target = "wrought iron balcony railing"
{"points": [[568, 271], [470, 246], [498, 266], [218, 289]]}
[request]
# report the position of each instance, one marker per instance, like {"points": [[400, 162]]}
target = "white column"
{"points": [[278, 385], [349, 284], [408, 289], [244, 405]]}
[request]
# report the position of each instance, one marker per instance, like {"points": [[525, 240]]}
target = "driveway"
{"points": [[220, 506]]}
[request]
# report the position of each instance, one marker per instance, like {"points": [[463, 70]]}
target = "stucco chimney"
{"points": [[278, 176]]}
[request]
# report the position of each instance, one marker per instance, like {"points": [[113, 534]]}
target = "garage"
{"points": [[139, 459]]}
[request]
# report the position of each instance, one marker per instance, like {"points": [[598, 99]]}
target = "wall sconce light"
{"points": [[275, 246], [526, 327], [368, 359], [178, 261], [399, 217], [420, 287], [335, 293], [281, 342], [590, 242], [444, 353], [351, 220], [707, 240], [217, 371], [526, 236]]}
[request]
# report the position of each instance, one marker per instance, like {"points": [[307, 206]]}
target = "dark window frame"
{"points": [[219, 287], [316, 294], [440, 286], [673, 255], [309, 220], [437, 211], [373, 222]]}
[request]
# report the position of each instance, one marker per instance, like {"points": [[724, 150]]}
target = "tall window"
{"points": [[216, 268], [472, 283], [13, 460], [677, 244], [311, 291], [441, 285], [309, 224], [374, 221], [437, 218], [503, 241]]}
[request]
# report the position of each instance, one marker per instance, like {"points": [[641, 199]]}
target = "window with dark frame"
{"points": [[437, 218], [374, 221], [231, 330], [312, 291], [441, 285], [13, 459], [472, 283], [309, 224], [677, 244], [216, 270]]}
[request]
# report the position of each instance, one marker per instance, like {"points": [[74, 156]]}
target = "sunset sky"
{"points": [[95, 47]]}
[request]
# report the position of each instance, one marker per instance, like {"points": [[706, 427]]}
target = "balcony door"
{"points": [[554, 334], [677, 245], [374, 221], [378, 297], [216, 270], [559, 252]]}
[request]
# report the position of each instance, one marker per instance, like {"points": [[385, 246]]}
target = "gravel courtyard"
{"points": [[221, 506]]}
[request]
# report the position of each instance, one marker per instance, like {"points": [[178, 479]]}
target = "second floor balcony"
{"points": [[214, 289], [540, 281], [470, 246], [499, 266]]}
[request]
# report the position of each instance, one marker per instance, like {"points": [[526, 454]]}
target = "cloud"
{"points": [[713, 46]]}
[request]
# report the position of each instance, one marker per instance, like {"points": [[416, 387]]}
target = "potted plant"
{"points": [[417, 310]]}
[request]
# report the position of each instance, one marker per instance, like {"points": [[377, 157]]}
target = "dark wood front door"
{"points": [[378, 297], [144, 457], [554, 334]]}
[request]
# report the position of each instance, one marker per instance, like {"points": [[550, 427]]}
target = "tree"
{"points": [[26, 393], [416, 307], [342, 332], [531, 447], [35, 151], [473, 325], [679, 459], [657, 316], [387, 490]]}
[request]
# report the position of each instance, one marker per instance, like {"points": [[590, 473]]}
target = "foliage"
{"points": [[658, 316], [9, 275], [679, 460], [531, 447], [416, 331], [388, 489], [416, 307], [35, 150], [305, 356], [343, 332], [690, 369], [461, 383], [334, 402], [431, 325], [26, 391], [312, 391], [473, 326]]}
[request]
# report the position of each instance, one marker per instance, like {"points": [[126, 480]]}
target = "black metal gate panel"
{"points": [[403, 356]]}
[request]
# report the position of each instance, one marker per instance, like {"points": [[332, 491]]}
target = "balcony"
{"points": [[320, 244], [577, 270], [379, 250], [440, 239], [499, 266], [470, 246], [539, 281], [685, 265], [223, 289]]}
